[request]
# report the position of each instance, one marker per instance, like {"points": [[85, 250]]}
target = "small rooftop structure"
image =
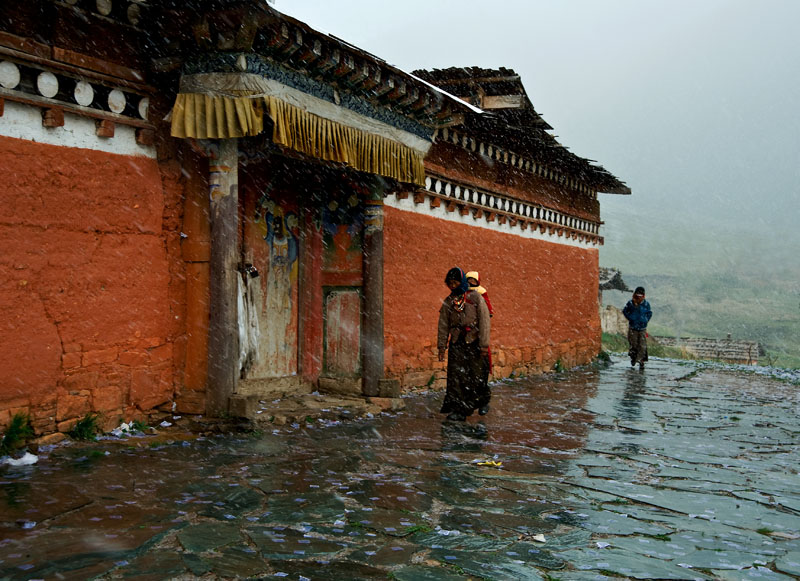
{"points": [[510, 117]]}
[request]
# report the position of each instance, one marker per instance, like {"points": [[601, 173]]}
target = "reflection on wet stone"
{"points": [[536, 555], [232, 503], [155, 565], [195, 564], [389, 555], [208, 536], [489, 566], [418, 573], [758, 573], [305, 507], [629, 565], [390, 495], [280, 543], [327, 571], [387, 522], [610, 523], [461, 542], [604, 474], [499, 525], [789, 563], [236, 562]]}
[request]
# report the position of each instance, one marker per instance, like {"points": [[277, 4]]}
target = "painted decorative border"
{"points": [[454, 202], [56, 91]]}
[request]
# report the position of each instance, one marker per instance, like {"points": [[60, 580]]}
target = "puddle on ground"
{"points": [[598, 473]]}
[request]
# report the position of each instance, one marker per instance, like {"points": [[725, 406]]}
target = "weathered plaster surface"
{"points": [[544, 295], [441, 213], [84, 283]]}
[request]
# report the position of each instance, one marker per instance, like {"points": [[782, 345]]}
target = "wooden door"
{"points": [[342, 332]]}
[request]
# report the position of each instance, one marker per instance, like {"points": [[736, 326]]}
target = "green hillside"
{"points": [[744, 306]]}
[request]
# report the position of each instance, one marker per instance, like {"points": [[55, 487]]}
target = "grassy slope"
{"points": [[744, 306]]}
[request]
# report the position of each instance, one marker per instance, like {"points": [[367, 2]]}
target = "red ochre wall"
{"points": [[544, 296], [90, 284]]}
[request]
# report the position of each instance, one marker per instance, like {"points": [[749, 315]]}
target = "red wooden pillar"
{"points": [[311, 297], [372, 318], [223, 327]]}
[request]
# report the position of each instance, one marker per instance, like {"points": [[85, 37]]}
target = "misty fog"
{"points": [[691, 103]]}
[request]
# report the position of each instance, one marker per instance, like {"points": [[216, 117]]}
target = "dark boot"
{"points": [[483, 410]]}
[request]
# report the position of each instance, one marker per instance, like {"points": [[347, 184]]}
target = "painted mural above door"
{"points": [[342, 226]]}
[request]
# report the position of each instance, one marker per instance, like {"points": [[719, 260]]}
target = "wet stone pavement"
{"points": [[677, 473]]}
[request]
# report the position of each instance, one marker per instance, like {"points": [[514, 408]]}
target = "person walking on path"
{"points": [[474, 280], [638, 313], [464, 329]]}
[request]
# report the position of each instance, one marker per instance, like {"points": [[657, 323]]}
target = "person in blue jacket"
{"points": [[638, 313]]}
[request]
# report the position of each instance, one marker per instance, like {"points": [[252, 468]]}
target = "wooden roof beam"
{"points": [[398, 92], [422, 101], [293, 43], [329, 62], [357, 77], [346, 66], [384, 87], [412, 96], [467, 79], [309, 54], [284, 40], [372, 79], [490, 102]]}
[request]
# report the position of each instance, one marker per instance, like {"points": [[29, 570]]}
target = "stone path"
{"points": [[676, 473]]}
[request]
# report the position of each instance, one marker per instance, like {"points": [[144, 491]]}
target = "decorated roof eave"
{"points": [[364, 74], [244, 63], [251, 27], [544, 148], [512, 123], [622, 190]]}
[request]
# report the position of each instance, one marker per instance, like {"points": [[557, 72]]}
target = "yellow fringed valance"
{"points": [[203, 116]]}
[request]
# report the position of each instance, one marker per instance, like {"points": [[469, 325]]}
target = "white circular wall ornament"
{"points": [[144, 106], [84, 93], [116, 101], [9, 75], [103, 7], [134, 14], [47, 84]]}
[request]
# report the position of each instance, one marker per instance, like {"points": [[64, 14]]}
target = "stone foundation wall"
{"points": [[90, 284], [544, 296], [613, 321], [728, 350]]}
